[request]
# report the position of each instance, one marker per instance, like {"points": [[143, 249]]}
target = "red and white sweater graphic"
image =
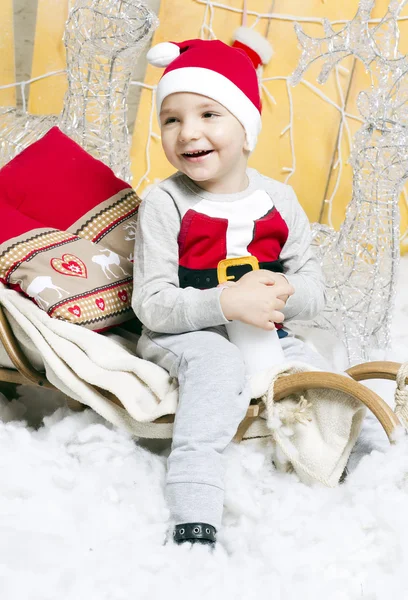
{"points": [[213, 231]]}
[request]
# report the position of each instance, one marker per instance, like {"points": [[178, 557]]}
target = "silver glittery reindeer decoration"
{"points": [[103, 39], [360, 261]]}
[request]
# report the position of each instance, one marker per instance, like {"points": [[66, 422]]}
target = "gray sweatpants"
{"points": [[214, 395]]}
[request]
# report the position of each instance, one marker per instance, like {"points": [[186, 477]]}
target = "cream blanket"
{"points": [[313, 434]]}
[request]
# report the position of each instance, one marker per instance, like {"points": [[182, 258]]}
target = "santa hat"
{"points": [[227, 74]]}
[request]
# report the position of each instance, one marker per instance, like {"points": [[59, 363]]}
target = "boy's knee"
{"points": [[232, 359], [224, 357], [211, 345]]}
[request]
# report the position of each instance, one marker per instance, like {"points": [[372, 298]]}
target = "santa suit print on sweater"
{"points": [[184, 232]]}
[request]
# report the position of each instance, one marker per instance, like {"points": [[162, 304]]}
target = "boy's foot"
{"points": [[195, 533]]}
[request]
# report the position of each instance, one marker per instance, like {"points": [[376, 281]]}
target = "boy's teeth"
{"points": [[197, 152]]}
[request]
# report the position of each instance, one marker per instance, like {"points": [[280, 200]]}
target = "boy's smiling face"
{"points": [[203, 140]]}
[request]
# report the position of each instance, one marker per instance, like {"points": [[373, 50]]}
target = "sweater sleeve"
{"points": [[158, 301], [301, 267]]}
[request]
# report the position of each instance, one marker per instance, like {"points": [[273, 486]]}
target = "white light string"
{"points": [[284, 17]]}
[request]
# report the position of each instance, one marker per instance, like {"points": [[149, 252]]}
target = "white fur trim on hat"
{"points": [[161, 55], [255, 41], [213, 85]]}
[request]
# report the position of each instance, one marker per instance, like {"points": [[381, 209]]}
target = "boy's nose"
{"points": [[189, 131]]}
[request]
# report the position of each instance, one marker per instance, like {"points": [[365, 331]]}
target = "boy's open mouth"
{"points": [[196, 155]]}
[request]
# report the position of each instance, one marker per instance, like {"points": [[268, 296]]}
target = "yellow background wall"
{"points": [[315, 123], [7, 73]]}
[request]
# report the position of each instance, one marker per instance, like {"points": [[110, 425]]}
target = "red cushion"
{"points": [[66, 233], [56, 182], [14, 224]]}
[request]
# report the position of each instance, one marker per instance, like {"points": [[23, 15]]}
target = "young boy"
{"points": [[214, 208]]}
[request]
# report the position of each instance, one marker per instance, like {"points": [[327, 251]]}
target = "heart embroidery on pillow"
{"points": [[70, 265], [100, 303], [123, 295], [75, 310]]}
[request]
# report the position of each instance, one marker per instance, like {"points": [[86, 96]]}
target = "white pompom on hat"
{"points": [[226, 74], [161, 55], [257, 47]]}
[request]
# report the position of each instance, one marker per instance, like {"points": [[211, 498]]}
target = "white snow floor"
{"points": [[82, 515]]}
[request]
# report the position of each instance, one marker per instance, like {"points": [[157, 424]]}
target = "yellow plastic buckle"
{"points": [[224, 265]]}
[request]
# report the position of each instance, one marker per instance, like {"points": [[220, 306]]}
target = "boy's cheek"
{"points": [[169, 151]]}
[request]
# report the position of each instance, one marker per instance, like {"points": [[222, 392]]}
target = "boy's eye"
{"points": [[208, 115], [170, 120]]}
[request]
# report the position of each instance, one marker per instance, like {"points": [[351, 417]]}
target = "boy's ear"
{"points": [[246, 146]]}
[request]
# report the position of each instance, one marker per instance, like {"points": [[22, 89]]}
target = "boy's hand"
{"points": [[279, 277], [257, 298]]}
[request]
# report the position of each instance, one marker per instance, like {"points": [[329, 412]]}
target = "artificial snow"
{"points": [[83, 517]]}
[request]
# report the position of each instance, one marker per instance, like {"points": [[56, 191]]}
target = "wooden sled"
{"points": [[25, 374]]}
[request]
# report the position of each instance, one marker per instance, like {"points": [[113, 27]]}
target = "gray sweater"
{"points": [[181, 224]]}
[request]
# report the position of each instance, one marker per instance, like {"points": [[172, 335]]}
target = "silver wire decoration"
{"points": [[360, 261], [103, 39], [18, 129]]}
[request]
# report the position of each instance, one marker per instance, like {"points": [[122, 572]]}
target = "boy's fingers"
{"points": [[277, 317], [284, 289], [282, 286], [266, 281], [266, 325], [279, 304], [267, 273]]}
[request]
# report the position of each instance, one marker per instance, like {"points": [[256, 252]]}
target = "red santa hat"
{"points": [[227, 74]]}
